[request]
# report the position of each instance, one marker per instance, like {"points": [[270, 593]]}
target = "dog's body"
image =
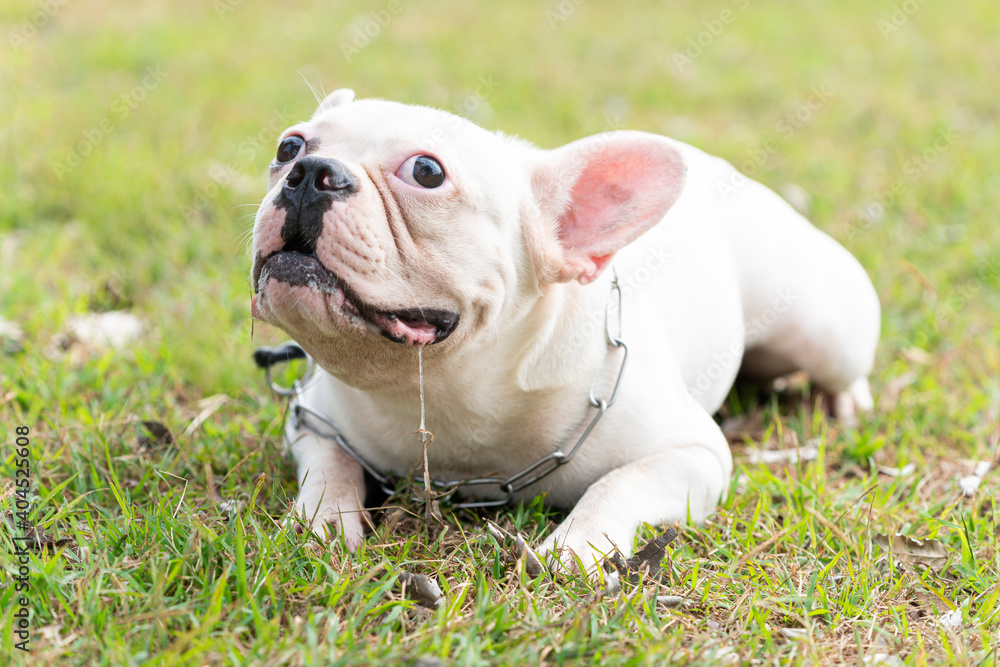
{"points": [[499, 272]]}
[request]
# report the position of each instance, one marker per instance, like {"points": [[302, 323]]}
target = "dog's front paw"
{"points": [[572, 547], [329, 520]]}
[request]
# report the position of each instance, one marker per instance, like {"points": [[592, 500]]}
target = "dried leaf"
{"points": [[393, 519], [892, 389], [926, 553], [112, 294], [231, 507], [422, 589], [744, 427], [879, 654], [428, 661], [228, 508], [646, 562], [432, 509], [11, 337], [951, 619], [30, 536], [532, 563], [215, 494], [496, 531], [768, 456], [905, 471], [649, 557], [615, 562], [669, 601], [153, 435], [99, 332], [915, 355], [93, 334], [208, 407], [970, 484], [793, 633]]}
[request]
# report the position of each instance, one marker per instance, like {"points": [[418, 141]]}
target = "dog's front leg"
{"points": [[331, 488], [657, 489]]}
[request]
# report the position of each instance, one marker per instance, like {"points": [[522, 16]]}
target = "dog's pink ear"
{"points": [[335, 99], [602, 193]]}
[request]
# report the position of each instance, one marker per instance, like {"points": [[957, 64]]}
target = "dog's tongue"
{"points": [[406, 330]]}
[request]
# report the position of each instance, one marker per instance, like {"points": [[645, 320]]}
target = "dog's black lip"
{"points": [[298, 269]]}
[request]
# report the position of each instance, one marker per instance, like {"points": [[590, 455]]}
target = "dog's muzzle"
{"points": [[311, 187]]}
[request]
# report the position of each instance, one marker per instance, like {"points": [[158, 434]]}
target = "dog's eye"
{"points": [[422, 170], [289, 148], [428, 172]]}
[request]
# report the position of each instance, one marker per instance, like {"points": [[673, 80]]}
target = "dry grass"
{"points": [[785, 572]]}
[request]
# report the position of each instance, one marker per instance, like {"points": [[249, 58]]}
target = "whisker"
{"points": [[314, 92]]}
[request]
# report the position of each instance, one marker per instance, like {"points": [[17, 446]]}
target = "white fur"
{"points": [[512, 383]]}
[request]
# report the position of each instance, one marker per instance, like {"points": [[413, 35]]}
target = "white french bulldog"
{"points": [[389, 227]]}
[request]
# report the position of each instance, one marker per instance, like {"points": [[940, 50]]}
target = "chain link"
{"points": [[509, 485]]}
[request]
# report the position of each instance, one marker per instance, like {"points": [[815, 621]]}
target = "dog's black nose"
{"points": [[312, 185], [312, 175]]}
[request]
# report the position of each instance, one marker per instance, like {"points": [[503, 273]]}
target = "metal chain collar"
{"points": [[510, 485]]}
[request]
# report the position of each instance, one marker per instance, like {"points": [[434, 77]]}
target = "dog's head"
{"points": [[389, 225]]}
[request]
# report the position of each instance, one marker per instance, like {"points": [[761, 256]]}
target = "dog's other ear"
{"points": [[598, 195], [335, 99]]}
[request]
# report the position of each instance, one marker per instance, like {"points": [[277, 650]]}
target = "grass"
{"points": [[151, 217]]}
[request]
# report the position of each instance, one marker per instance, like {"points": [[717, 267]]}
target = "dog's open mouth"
{"points": [[408, 326]]}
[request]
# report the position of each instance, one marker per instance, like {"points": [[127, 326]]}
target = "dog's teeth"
{"points": [[374, 329]]}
